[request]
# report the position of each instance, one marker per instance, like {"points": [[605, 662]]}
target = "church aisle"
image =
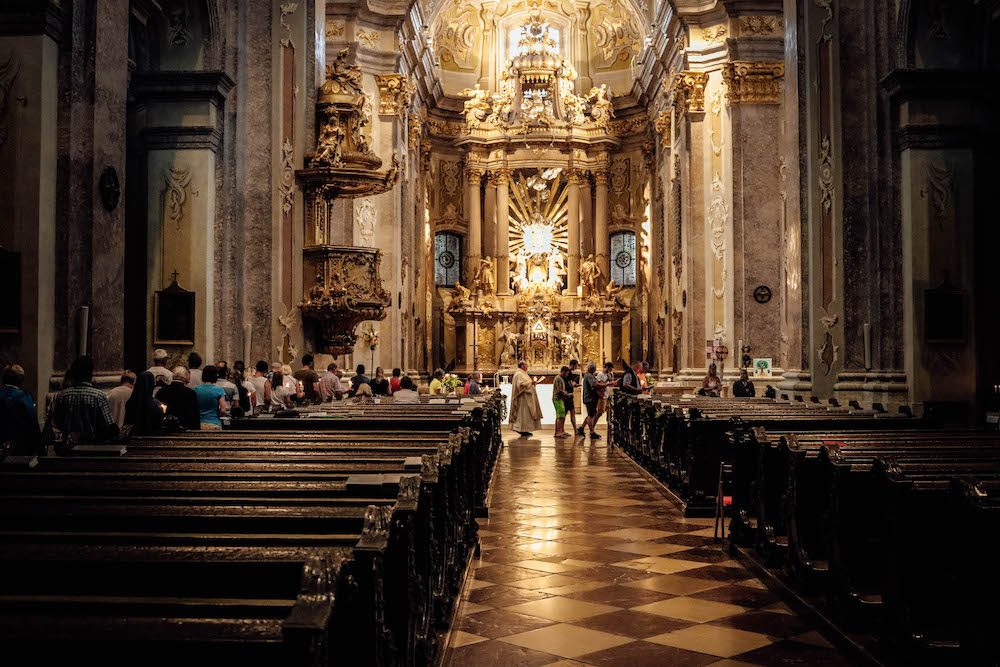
{"points": [[585, 563]]}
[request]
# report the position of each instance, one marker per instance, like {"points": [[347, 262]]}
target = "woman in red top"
{"points": [[394, 381]]}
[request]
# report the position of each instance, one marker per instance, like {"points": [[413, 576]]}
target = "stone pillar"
{"points": [[503, 231], [573, 224], [28, 164], [601, 222], [475, 240], [586, 217], [490, 216]]}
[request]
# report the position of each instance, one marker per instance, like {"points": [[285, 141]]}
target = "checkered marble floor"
{"points": [[585, 563]]}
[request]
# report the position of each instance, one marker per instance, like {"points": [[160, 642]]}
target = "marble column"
{"points": [[503, 231], [490, 216], [474, 242], [586, 217], [601, 222], [573, 223]]}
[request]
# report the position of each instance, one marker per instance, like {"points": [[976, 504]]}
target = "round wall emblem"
{"points": [[446, 259], [623, 259], [762, 294]]}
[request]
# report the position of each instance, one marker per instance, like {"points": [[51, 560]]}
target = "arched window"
{"points": [[447, 259], [623, 258], [516, 34]]}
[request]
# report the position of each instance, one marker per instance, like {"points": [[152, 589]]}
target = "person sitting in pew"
{"points": [[712, 384], [143, 412], [83, 408], [358, 380], [211, 400], [282, 398], [437, 382], [261, 387], [631, 384], [743, 388], [379, 383], [181, 400], [475, 384], [396, 381], [18, 420], [407, 392]]}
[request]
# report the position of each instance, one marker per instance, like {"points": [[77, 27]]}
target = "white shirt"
{"points": [[117, 398], [278, 395], [258, 388], [160, 371], [194, 377], [405, 396]]}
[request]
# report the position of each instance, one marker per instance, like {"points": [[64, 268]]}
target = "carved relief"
{"points": [[714, 35], [369, 37], [456, 37], [486, 352], [687, 91], [615, 35], [394, 93], [619, 200], [415, 127], [8, 74], [287, 8], [760, 25], [364, 213], [941, 186], [335, 29], [592, 343], [662, 125], [826, 174], [753, 83], [178, 33], [286, 188], [178, 186]]}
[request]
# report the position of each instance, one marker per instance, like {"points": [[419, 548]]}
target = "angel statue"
{"points": [[601, 111], [476, 107], [612, 294], [485, 282], [461, 298]]}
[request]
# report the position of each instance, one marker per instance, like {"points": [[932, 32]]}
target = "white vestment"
{"points": [[525, 412]]}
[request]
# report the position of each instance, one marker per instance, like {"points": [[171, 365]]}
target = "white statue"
{"points": [[557, 269], [485, 283], [511, 345], [461, 298]]}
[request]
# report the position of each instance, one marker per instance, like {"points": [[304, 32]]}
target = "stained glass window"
{"points": [[447, 259], [623, 258]]}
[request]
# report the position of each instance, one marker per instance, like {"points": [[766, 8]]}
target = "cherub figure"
{"points": [[601, 110], [476, 107]]}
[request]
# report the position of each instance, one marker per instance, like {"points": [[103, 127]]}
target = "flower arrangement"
{"points": [[451, 381]]}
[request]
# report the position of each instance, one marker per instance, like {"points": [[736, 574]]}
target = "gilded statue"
{"points": [[601, 110], [462, 297], [485, 282], [590, 274], [341, 77], [476, 107], [612, 294]]}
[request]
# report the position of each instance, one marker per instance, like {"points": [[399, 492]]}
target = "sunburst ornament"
{"points": [[539, 214]]}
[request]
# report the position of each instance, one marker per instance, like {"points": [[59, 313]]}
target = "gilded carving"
{"points": [[714, 35], [663, 127], [456, 37], [591, 344], [487, 343], [619, 200], [753, 83], [394, 93], [369, 37], [8, 74], [615, 35], [688, 90], [335, 28], [415, 127]]}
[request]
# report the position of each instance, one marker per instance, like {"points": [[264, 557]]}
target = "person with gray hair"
{"points": [[161, 376], [180, 400], [591, 397], [475, 384]]}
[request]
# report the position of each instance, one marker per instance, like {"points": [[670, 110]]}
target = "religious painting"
{"points": [[10, 275], [173, 316], [762, 367]]}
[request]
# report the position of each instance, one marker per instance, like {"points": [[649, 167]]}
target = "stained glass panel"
{"points": [[447, 259], [623, 258]]}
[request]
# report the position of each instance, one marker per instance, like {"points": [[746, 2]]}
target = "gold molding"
{"points": [[414, 130], [664, 127], [753, 83], [394, 93], [688, 90]]}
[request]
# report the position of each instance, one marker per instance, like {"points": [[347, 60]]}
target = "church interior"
{"points": [[523, 212]]}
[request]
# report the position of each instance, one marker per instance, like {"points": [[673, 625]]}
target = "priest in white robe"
{"points": [[525, 412]]}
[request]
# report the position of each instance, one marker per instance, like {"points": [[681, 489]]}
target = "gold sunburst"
{"points": [[531, 208]]}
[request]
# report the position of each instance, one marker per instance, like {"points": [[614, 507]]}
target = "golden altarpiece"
{"points": [[534, 164]]}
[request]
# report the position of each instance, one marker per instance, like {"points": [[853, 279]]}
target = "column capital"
{"points": [[498, 176], [600, 176], [474, 175], [753, 82], [574, 175], [687, 89]]}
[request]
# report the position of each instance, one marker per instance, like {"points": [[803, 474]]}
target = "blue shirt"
{"points": [[208, 402]]}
